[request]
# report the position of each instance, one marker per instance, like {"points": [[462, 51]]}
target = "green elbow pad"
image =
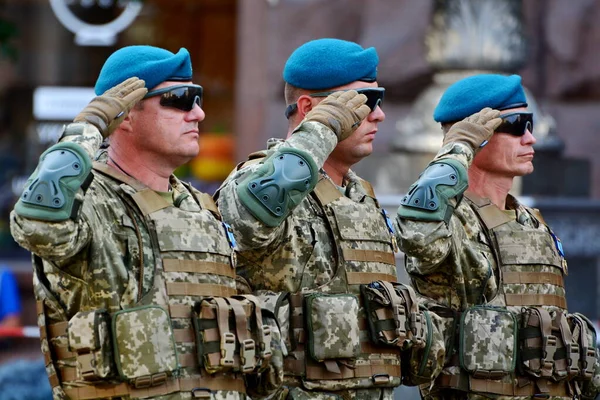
{"points": [[49, 193], [278, 185], [428, 199]]}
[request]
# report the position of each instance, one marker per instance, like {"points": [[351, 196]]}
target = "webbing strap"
{"points": [[227, 338], [180, 311], [198, 266], [206, 202], [318, 372], [198, 289], [535, 299], [326, 191], [364, 278], [149, 201], [247, 344], [533, 277], [369, 256], [184, 335], [170, 386], [524, 387], [118, 175]]}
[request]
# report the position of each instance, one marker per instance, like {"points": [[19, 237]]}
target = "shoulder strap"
{"points": [[326, 192], [145, 198], [204, 200], [488, 213]]}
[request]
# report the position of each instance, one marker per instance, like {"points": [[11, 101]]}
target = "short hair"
{"points": [[292, 93]]}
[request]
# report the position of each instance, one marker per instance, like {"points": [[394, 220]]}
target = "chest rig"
{"points": [[193, 259], [528, 256], [530, 345], [364, 247]]}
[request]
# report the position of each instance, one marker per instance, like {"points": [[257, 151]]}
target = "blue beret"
{"points": [[152, 64], [472, 94], [328, 63]]}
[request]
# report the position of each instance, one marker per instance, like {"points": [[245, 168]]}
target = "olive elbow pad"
{"points": [[283, 180], [428, 199], [50, 192]]}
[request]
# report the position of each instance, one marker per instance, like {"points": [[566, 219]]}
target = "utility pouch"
{"points": [[488, 342], [90, 338], [538, 343], [422, 364], [393, 315], [144, 345], [231, 335], [332, 326], [276, 314], [584, 334]]}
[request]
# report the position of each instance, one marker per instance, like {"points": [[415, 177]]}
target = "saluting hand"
{"points": [[107, 111]]}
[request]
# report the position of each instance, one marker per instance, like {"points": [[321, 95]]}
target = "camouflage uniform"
{"points": [[335, 239], [115, 256], [485, 256]]}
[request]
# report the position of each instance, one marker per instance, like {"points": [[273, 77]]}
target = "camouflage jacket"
{"points": [[113, 255]]}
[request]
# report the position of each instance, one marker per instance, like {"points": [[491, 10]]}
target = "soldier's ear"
{"points": [[305, 104]]}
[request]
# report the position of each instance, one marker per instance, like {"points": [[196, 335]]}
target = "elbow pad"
{"points": [[283, 180], [50, 192], [428, 199]]}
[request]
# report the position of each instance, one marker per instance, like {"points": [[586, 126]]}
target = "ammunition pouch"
{"points": [[90, 338], [231, 335], [393, 315]]}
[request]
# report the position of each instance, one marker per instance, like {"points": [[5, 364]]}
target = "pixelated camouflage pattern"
{"points": [[454, 267], [296, 393], [144, 342], [302, 254], [488, 340], [333, 330], [108, 257], [426, 363], [89, 331]]}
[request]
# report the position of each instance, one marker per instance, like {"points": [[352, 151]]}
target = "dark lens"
{"points": [[516, 124], [374, 96], [182, 98]]}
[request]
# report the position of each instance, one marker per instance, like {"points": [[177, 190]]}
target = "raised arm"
{"points": [[258, 199], [427, 226], [50, 218]]}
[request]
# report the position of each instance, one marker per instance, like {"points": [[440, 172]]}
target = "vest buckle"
{"points": [[227, 349]]}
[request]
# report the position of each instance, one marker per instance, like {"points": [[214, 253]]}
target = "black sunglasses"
{"points": [[516, 123], [374, 98], [182, 97]]}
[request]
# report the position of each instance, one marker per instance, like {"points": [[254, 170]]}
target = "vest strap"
{"points": [[363, 278], [535, 300], [195, 385], [318, 372], [326, 191], [196, 266], [198, 289], [149, 201], [368, 256], [525, 387], [180, 311], [533, 277]]}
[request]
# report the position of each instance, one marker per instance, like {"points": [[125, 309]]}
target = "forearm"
{"points": [[315, 139], [85, 135], [50, 240]]}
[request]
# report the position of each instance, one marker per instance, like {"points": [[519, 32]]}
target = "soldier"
{"points": [[307, 225], [132, 267], [487, 263]]}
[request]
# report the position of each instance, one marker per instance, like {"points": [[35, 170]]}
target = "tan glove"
{"points": [[475, 130], [342, 112], [107, 111]]}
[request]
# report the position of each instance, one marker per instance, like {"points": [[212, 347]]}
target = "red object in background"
{"points": [[19, 331]]}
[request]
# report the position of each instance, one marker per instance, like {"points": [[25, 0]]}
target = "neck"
{"points": [[336, 170], [135, 166], [489, 185]]}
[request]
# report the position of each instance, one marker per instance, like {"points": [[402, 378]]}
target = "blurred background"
{"points": [[51, 52]]}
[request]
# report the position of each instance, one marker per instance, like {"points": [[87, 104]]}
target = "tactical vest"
{"points": [[530, 266], [523, 342], [194, 259], [364, 246]]}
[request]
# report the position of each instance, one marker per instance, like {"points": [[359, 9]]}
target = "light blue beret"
{"points": [[328, 63], [152, 64], [470, 95]]}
